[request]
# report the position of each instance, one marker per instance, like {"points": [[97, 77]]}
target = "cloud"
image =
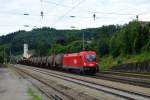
{"points": [[57, 12]]}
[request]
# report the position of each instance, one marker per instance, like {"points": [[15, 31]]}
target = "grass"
{"points": [[108, 61], [33, 95]]}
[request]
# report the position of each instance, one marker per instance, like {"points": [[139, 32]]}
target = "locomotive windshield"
{"points": [[90, 57]]}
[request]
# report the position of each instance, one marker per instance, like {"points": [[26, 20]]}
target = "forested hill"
{"points": [[111, 41], [42, 40]]}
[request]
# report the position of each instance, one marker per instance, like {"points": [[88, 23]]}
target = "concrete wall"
{"points": [[134, 67]]}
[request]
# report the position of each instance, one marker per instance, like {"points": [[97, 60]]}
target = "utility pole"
{"points": [[10, 56], [94, 16], [83, 42], [42, 13], [4, 56], [137, 18]]}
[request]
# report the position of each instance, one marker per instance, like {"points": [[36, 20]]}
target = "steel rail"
{"points": [[46, 84], [124, 94]]}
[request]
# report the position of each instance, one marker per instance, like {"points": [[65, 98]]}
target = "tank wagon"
{"points": [[84, 62]]}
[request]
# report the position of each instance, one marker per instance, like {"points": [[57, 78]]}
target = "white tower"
{"points": [[25, 54]]}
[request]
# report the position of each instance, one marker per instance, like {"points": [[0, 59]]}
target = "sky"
{"points": [[57, 13]]}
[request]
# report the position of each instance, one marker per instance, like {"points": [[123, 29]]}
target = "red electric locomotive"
{"points": [[85, 61]]}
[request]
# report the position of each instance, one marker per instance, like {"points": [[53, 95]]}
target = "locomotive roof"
{"points": [[80, 53]]}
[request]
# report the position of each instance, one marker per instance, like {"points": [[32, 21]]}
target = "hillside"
{"points": [[44, 38]]}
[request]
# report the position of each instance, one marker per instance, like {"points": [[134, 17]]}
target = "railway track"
{"points": [[125, 78], [129, 74], [37, 86], [100, 87], [59, 94], [40, 87]]}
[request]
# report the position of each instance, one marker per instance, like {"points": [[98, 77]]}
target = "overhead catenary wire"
{"points": [[41, 13], [90, 11], [81, 10], [77, 16], [94, 16], [57, 4], [61, 17]]}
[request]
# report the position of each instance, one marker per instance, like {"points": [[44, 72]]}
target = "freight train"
{"points": [[83, 62]]}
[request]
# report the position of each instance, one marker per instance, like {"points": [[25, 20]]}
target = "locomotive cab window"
{"points": [[90, 57]]}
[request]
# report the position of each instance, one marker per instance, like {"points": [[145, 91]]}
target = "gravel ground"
{"points": [[98, 94], [13, 87], [77, 90]]}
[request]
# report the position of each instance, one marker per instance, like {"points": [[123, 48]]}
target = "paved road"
{"points": [[11, 87]]}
